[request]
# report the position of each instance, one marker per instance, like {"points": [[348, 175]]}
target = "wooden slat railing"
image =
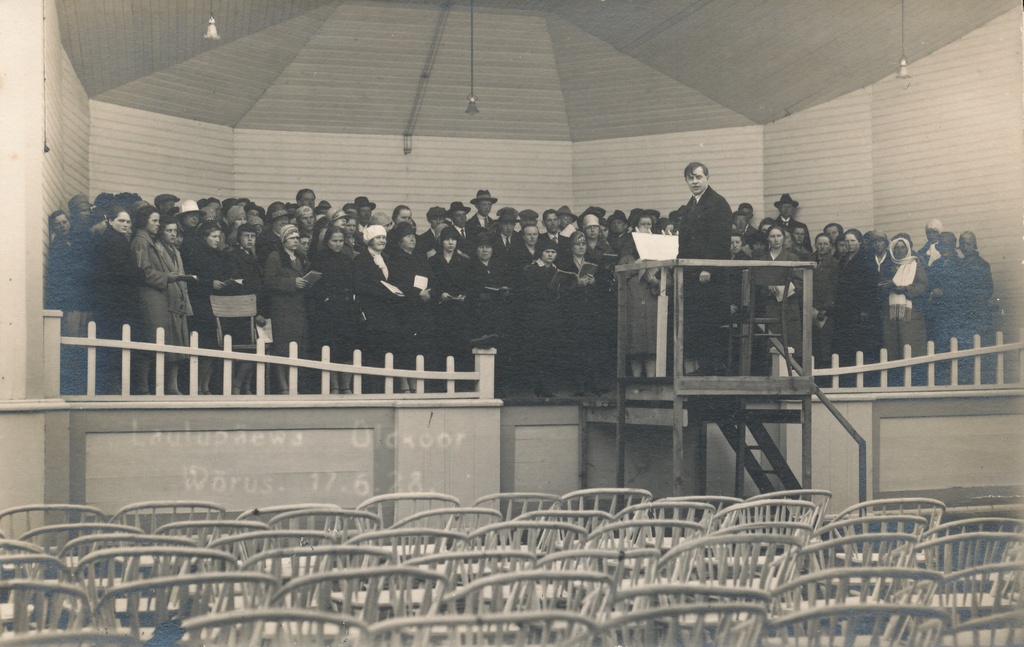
{"points": [[482, 375]]}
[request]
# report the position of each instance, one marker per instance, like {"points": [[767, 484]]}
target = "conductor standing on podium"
{"points": [[705, 223]]}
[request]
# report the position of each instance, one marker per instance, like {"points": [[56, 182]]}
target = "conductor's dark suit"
{"points": [[705, 225]]}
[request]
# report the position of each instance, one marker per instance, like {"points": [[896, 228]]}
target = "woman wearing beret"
{"points": [[335, 317], [450, 311], [286, 290], [163, 298], [411, 272], [379, 300]]}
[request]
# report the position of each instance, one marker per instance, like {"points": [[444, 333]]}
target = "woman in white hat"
{"points": [[377, 297]]}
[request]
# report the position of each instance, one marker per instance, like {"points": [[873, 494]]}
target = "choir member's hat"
{"points": [[165, 197], [947, 240], [188, 207], [589, 220], [483, 194], [457, 206], [508, 214], [400, 231], [436, 213], [528, 216], [363, 201], [275, 207], [597, 211], [633, 213], [618, 215], [372, 232], [260, 211], [544, 243], [323, 207], [934, 224], [654, 213], [786, 199], [745, 208], [483, 239], [564, 210], [227, 204], [79, 203]]}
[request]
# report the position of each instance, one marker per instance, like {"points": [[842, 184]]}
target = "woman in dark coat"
{"points": [[778, 292], [642, 291], [450, 311], [285, 287], [856, 313], [116, 279], [379, 300], [411, 272], [582, 310], [213, 271], [335, 316], [541, 342], [247, 268]]}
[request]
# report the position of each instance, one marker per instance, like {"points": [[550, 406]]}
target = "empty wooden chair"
{"points": [[975, 524], [856, 586], [997, 630], [104, 569], [76, 549], [724, 624], [16, 521], [653, 596], [961, 551], [370, 594], [692, 511], [410, 543], [343, 524], [586, 592], [982, 591], [820, 499], [150, 515], [526, 629], [876, 549], [245, 545], [626, 568], [755, 561], [534, 537], [34, 566], [142, 608], [766, 511], [512, 504], [288, 563], [266, 513], [931, 509], [207, 530], [660, 534], [52, 539], [392, 508], [274, 627], [906, 523], [587, 519], [610, 500], [880, 625], [464, 520], [462, 567], [39, 605]]}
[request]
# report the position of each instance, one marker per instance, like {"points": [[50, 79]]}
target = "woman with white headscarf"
{"points": [[902, 285]]}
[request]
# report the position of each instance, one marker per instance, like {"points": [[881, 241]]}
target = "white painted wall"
{"points": [[273, 165], [647, 171], [149, 154]]}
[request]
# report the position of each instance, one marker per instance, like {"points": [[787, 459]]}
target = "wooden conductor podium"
{"points": [[739, 403]]}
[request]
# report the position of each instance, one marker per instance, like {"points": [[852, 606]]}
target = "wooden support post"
{"points": [[661, 339], [261, 367], [193, 365], [931, 364], [678, 429], [325, 375], [620, 441], [805, 442], [293, 371], [622, 362], [908, 375], [1000, 360], [159, 368], [357, 377], [450, 367], [485, 368], [227, 376], [740, 473], [808, 319], [126, 362], [883, 356], [418, 385], [977, 361], [90, 361], [389, 380], [52, 353]]}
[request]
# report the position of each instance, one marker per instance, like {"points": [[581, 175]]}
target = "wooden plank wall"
{"points": [[947, 145], [822, 156], [149, 154], [66, 106], [273, 165], [647, 171]]}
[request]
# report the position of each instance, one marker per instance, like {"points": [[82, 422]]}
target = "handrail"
{"points": [[688, 262], [862, 446]]}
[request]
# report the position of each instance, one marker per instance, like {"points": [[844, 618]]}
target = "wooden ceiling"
{"points": [[545, 69]]}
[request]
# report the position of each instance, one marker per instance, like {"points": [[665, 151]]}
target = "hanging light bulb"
{"points": [[211, 29], [903, 72], [471, 109]]}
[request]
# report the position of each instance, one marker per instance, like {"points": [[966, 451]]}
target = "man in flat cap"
{"points": [[164, 203], [427, 243], [481, 220]]}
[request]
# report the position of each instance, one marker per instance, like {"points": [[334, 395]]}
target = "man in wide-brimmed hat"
{"points": [[787, 207], [364, 209], [481, 220]]}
